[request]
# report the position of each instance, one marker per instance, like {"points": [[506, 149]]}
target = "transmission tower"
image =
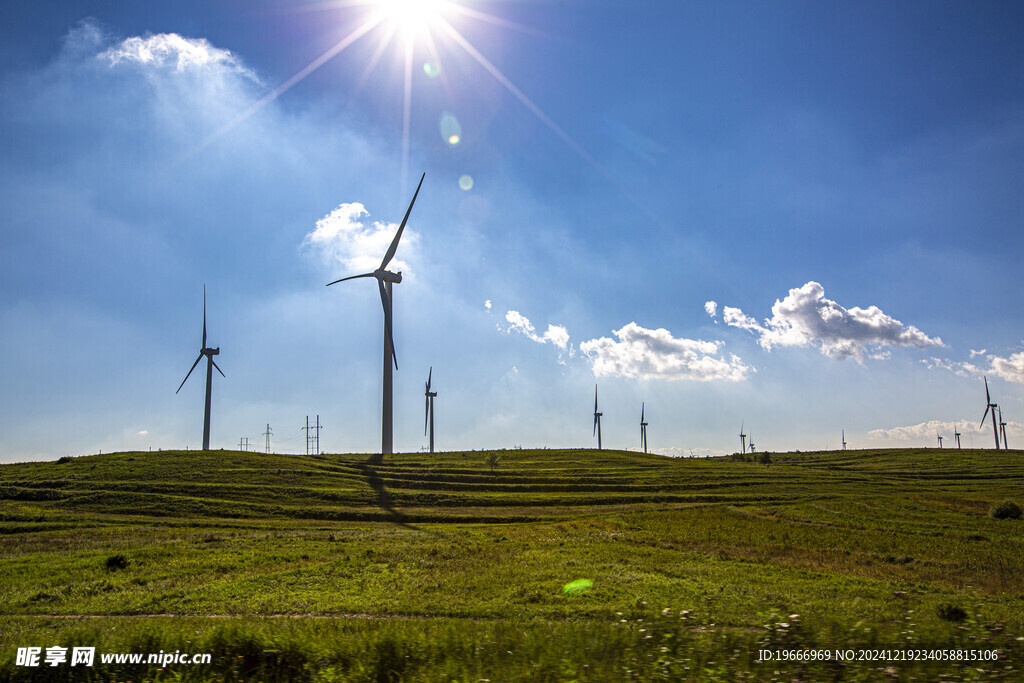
{"points": [[318, 428], [243, 443], [268, 434]]}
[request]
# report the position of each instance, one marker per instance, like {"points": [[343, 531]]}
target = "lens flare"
{"points": [[431, 70], [466, 182], [577, 587], [451, 131]]}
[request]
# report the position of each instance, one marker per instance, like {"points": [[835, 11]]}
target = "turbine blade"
{"points": [[218, 369], [984, 416], [197, 363], [350, 277], [426, 414], [204, 318], [430, 375], [988, 398], [387, 320], [595, 424], [595, 399], [398, 235], [641, 412]]}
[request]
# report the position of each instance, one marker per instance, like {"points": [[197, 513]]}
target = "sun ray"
{"points": [[516, 92], [406, 114], [498, 21], [375, 57], [332, 52]]}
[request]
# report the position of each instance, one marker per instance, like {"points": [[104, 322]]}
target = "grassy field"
{"points": [[453, 566]]}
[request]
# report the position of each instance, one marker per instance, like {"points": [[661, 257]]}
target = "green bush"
{"points": [[1005, 510], [949, 612]]}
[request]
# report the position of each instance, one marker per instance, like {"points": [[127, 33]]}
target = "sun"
{"points": [[409, 16]]}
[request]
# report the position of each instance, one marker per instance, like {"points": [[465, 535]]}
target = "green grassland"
{"points": [[451, 566]]}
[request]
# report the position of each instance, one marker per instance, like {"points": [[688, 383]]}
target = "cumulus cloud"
{"points": [[711, 308], [1011, 369], [656, 354], [806, 318], [556, 335], [487, 305], [342, 237], [977, 353], [960, 368], [172, 50]]}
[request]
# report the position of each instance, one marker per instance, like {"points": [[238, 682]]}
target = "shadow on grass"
{"points": [[376, 483]]}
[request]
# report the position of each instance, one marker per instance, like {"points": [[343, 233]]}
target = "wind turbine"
{"points": [[939, 436], [210, 364], [597, 420], [844, 439], [956, 435], [385, 278], [751, 443], [989, 405], [1002, 428], [429, 408], [743, 439], [643, 428]]}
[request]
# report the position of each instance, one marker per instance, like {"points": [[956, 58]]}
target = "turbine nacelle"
{"points": [[387, 275]]}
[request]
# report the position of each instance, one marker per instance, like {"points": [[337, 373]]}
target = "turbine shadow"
{"points": [[376, 483]]}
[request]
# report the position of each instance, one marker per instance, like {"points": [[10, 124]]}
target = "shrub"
{"points": [[1005, 510], [116, 562], [949, 612], [64, 458]]}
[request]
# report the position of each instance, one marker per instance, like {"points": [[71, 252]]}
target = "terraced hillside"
{"points": [[415, 564]]}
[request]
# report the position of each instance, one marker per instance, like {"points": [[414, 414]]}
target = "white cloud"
{"points": [[977, 353], [341, 236], [927, 431], [142, 432], [656, 354], [1011, 369], [806, 318], [711, 307], [557, 335], [960, 368], [487, 304], [171, 49]]}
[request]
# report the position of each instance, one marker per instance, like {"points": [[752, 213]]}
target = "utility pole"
{"points": [[307, 434], [243, 443], [267, 434], [318, 428]]}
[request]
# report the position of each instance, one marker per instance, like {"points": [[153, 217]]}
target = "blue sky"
{"points": [[804, 217]]}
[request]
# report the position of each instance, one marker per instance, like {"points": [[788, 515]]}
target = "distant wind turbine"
{"points": [[643, 428], [210, 364], [385, 278], [989, 405], [597, 420], [844, 439], [751, 443], [429, 407], [743, 438], [939, 436], [956, 434], [1002, 428]]}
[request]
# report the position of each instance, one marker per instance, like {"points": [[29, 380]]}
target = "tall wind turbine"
{"points": [[939, 436], [597, 420], [643, 428], [385, 278], [956, 434], [1002, 428], [429, 408], [743, 439], [210, 364], [751, 443], [989, 405], [844, 439]]}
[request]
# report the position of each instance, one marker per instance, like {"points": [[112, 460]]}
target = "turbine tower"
{"points": [[1002, 428], [204, 350], [844, 439], [939, 436], [385, 278], [429, 408], [751, 443], [989, 405], [956, 435], [643, 428], [597, 420], [743, 439]]}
